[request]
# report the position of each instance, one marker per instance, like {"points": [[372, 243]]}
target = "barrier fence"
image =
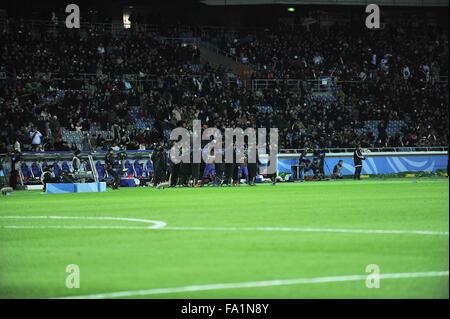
{"points": [[382, 162]]}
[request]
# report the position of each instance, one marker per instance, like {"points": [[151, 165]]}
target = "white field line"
{"points": [[153, 224], [255, 284], [160, 225], [313, 230], [72, 227]]}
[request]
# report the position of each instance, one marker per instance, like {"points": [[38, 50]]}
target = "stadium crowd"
{"points": [[399, 51], [395, 78]]}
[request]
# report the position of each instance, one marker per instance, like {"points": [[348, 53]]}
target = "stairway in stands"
{"points": [[215, 57]]}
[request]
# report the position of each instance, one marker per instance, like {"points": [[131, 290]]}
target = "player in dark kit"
{"points": [[231, 169], [252, 168], [219, 167], [357, 159], [185, 174], [110, 162]]}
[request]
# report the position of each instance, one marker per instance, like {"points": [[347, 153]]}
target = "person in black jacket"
{"points": [[315, 167], [76, 161], [14, 175], [110, 163], [357, 159], [175, 170], [159, 165]]}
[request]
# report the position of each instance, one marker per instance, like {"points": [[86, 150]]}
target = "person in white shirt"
{"points": [[17, 147], [318, 59], [406, 73], [36, 139], [101, 49]]}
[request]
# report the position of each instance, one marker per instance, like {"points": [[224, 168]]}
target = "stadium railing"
{"points": [[379, 161], [374, 150]]}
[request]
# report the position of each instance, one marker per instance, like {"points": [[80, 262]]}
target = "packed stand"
{"points": [[49, 93]]}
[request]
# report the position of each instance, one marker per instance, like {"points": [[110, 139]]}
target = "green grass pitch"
{"points": [[230, 235]]}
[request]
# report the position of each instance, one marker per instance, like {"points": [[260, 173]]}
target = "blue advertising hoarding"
{"points": [[376, 163]]}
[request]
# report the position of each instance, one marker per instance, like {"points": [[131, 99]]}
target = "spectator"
{"points": [[36, 139]]}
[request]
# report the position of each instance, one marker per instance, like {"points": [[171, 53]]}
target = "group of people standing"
{"points": [[219, 173], [215, 172]]}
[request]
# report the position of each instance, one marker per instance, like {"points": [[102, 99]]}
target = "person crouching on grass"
{"points": [[357, 159], [48, 176], [337, 170]]}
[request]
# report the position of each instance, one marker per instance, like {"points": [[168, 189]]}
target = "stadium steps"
{"points": [[76, 137], [211, 54]]}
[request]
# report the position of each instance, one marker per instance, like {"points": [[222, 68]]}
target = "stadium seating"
{"points": [[102, 174], [65, 167], [332, 100], [130, 170], [141, 173], [149, 167], [57, 169], [36, 170], [25, 170]]}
